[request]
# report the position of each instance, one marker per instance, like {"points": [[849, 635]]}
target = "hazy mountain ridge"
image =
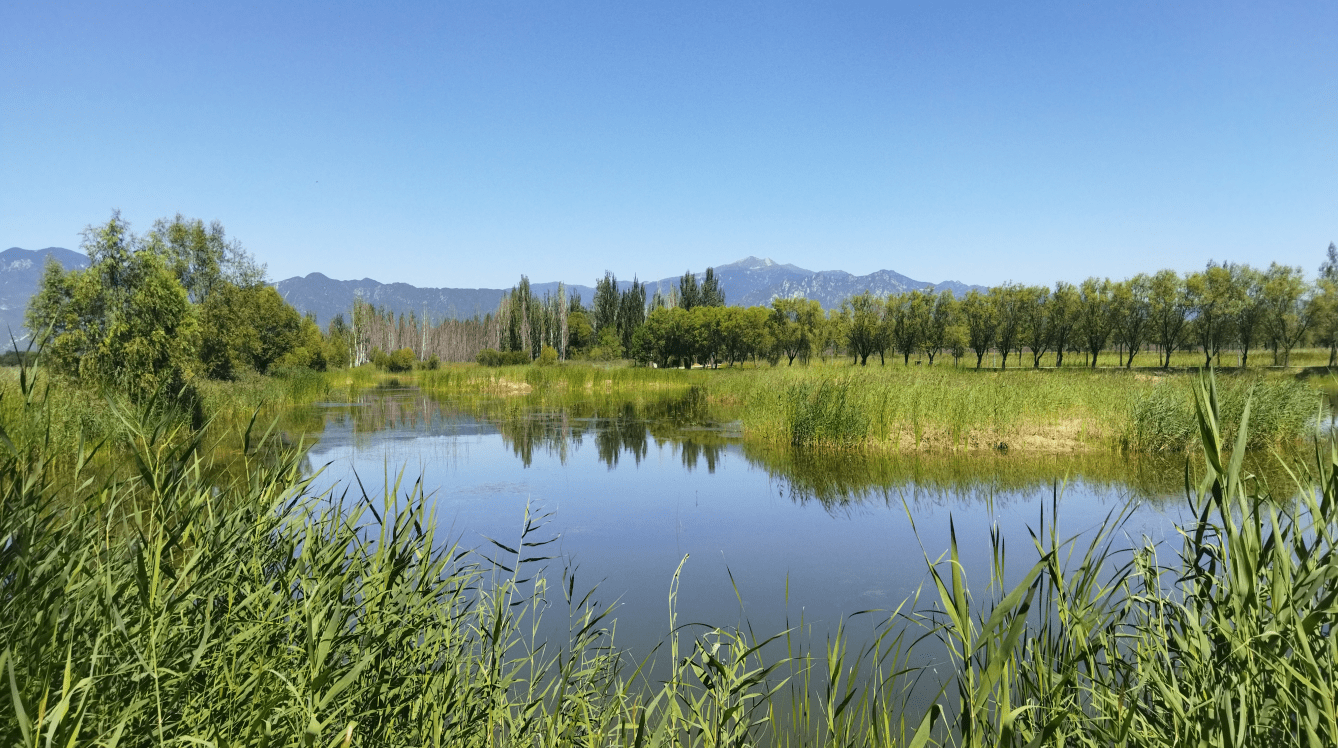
{"points": [[747, 282], [327, 297], [20, 275], [754, 280]]}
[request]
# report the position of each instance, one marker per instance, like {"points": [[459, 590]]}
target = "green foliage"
{"points": [[398, 362], [124, 323], [608, 345], [580, 334], [151, 313], [548, 356], [493, 357], [186, 604], [202, 259], [1163, 418], [865, 333], [825, 414], [1228, 644], [253, 328]]}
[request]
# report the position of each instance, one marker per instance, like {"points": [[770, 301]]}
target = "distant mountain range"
{"points": [[20, 274], [748, 282]]}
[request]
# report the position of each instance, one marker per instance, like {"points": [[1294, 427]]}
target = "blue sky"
{"points": [[461, 144]]}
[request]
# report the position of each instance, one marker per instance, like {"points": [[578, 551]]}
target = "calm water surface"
{"points": [[630, 491]]}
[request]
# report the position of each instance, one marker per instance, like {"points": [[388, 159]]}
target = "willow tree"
{"points": [[981, 319], [864, 334], [124, 322]]}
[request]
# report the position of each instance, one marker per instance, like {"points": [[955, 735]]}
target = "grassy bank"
{"points": [[38, 408], [941, 409], [898, 409], [880, 410]]}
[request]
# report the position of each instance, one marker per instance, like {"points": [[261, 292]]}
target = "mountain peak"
{"points": [[752, 262]]}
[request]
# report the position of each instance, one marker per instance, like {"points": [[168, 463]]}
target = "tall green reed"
{"points": [[170, 606], [1229, 644]]}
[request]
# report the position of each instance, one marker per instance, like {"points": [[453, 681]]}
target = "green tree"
{"points": [[1168, 310], [1328, 270], [606, 302], [202, 258], [709, 324], [910, 317], [308, 351], [1095, 318], [982, 321], [1011, 312], [1289, 309], [631, 311], [787, 331], [1324, 316], [580, 333], [712, 294], [689, 293], [942, 315], [1036, 332], [863, 331], [1251, 309], [125, 322], [339, 343], [957, 342], [1063, 316], [817, 328], [1130, 313], [1213, 298]]}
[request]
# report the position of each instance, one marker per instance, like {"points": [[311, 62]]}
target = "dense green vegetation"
{"points": [[1219, 316], [169, 316], [166, 577], [154, 315], [916, 409], [183, 602]]}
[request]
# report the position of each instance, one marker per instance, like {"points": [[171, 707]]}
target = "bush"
{"points": [[494, 357], [547, 357], [433, 363], [401, 360]]}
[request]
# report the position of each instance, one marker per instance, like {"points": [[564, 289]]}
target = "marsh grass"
{"points": [[941, 409], [896, 408], [167, 607], [1163, 418]]}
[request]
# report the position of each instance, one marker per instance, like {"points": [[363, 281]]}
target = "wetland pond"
{"points": [[632, 487]]}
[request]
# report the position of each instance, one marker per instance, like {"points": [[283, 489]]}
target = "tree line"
{"points": [[183, 301], [1224, 308]]}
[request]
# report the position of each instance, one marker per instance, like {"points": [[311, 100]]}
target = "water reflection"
{"points": [[635, 486], [628, 430]]}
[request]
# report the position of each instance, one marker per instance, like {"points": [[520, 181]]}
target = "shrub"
{"points": [[547, 357], [401, 360], [494, 357]]}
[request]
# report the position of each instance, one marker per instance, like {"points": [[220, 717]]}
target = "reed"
{"points": [[941, 409], [170, 606], [1230, 643]]}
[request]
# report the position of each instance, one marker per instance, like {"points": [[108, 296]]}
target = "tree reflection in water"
{"points": [[684, 422]]}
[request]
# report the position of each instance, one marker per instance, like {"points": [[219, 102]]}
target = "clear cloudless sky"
{"points": [[464, 143]]}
